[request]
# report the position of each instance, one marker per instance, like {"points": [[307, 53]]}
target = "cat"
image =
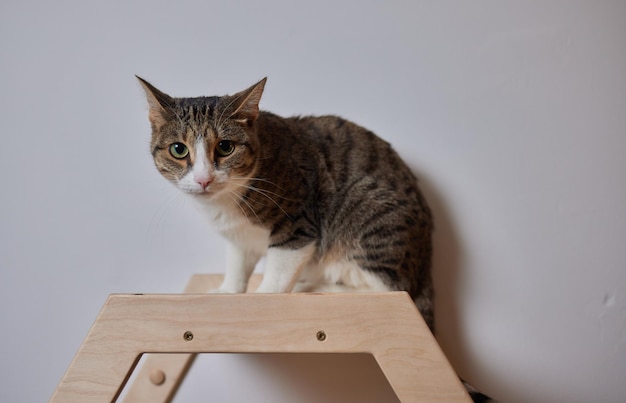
{"points": [[331, 205]]}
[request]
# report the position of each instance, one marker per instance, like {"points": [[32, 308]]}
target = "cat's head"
{"points": [[207, 145]]}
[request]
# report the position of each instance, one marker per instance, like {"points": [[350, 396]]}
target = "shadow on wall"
{"points": [[287, 377], [332, 378], [447, 277]]}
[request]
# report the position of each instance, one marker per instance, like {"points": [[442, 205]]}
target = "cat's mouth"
{"points": [[203, 193], [198, 191], [210, 192]]}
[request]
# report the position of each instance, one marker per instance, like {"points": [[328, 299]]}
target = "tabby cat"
{"points": [[331, 205]]}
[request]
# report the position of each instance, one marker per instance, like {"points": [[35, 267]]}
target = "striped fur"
{"points": [[318, 184]]}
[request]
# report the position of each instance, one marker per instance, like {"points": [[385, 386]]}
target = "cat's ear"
{"points": [[246, 103], [160, 104]]}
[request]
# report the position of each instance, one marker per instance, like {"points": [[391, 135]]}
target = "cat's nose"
{"points": [[204, 182]]}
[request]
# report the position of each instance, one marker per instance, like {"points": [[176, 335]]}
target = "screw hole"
{"points": [[321, 335], [188, 336]]}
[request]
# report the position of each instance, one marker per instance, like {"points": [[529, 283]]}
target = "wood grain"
{"points": [[386, 325]]}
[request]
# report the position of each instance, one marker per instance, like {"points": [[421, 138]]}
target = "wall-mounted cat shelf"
{"points": [[386, 325]]}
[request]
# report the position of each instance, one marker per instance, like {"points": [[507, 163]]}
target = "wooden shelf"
{"points": [[385, 325]]}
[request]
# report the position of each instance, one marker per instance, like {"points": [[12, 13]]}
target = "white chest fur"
{"points": [[228, 220]]}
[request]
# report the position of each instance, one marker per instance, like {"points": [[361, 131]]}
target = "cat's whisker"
{"points": [[236, 203], [269, 182], [263, 192], [254, 188], [256, 179], [234, 199], [159, 213]]}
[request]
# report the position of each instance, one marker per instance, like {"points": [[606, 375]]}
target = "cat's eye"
{"points": [[225, 148], [179, 150]]}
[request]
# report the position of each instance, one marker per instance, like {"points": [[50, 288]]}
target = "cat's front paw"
{"points": [[219, 290], [215, 291], [225, 290]]}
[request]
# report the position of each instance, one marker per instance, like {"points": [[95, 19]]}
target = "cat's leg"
{"points": [[240, 265], [283, 267]]}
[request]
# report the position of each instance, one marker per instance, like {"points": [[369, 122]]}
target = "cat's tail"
{"points": [[477, 397]]}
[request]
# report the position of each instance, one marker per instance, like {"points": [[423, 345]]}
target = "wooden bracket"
{"points": [[385, 325]]}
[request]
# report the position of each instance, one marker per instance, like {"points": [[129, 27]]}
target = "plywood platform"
{"points": [[385, 325]]}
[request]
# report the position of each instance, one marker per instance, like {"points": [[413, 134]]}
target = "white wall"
{"points": [[514, 115]]}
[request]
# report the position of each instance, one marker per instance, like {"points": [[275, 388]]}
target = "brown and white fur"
{"points": [[331, 205]]}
